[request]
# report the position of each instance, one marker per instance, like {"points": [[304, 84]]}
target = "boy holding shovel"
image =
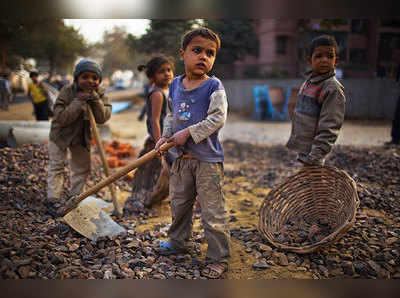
{"points": [[197, 110]]}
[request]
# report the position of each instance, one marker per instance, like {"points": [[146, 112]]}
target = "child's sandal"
{"points": [[214, 271]]}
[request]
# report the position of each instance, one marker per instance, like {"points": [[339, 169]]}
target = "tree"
{"points": [[164, 36], [116, 52], [11, 31], [58, 44], [238, 39], [47, 40]]}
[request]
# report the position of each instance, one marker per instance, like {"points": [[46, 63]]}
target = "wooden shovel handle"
{"points": [[74, 201], [103, 159]]}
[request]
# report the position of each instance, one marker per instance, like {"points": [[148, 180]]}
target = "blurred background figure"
{"points": [[5, 91], [38, 95], [395, 133]]}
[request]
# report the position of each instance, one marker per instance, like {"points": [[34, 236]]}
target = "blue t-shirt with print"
{"points": [[190, 107]]}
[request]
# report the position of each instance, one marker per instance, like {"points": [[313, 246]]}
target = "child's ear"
{"points": [[308, 60], [181, 52]]}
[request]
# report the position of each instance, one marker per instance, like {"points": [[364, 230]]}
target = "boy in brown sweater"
{"points": [[70, 129]]}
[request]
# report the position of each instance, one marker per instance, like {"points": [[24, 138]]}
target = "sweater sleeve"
{"points": [[65, 113], [216, 117], [329, 124]]}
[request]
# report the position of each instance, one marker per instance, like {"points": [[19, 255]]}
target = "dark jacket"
{"points": [[318, 117], [70, 125]]}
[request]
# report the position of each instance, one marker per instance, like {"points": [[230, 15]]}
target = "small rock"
{"points": [[159, 276], [374, 266], [360, 268], [348, 268], [324, 270], [73, 247], [109, 275], [282, 260], [392, 240], [263, 248], [57, 259], [24, 271], [260, 265]]}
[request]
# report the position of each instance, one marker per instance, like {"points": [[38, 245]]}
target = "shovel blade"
{"points": [[91, 221]]}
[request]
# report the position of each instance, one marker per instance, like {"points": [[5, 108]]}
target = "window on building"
{"points": [[390, 22], [388, 42], [281, 44], [358, 56], [359, 26]]}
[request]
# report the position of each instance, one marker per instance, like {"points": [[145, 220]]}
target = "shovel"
{"points": [[91, 219], [99, 143], [73, 202]]}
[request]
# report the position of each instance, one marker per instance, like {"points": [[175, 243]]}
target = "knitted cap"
{"points": [[87, 64]]}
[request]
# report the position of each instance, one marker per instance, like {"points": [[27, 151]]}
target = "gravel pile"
{"points": [[36, 244]]}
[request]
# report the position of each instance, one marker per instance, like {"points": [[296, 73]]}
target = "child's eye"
{"points": [[318, 56], [197, 50], [210, 53]]}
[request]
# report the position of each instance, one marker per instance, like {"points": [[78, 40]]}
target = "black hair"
{"points": [[203, 32], [33, 73], [155, 63], [323, 40]]}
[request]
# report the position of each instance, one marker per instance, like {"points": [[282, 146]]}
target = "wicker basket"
{"points": [[316, 192]]}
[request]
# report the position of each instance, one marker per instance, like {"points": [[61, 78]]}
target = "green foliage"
{"points": [[11, 33], [116, 52], [163, 36], [60, 45], [43, 39], [238, 39]]}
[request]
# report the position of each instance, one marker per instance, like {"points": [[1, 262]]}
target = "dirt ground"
{"points": [[125, 127]]}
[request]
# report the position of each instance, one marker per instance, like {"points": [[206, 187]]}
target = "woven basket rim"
{"points": [[332, 237]]}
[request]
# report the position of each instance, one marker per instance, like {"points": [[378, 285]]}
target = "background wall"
{"points": [[366, 98]]}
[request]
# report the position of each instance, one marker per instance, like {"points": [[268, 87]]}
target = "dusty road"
{"points": [[125, 127], [354, 133]]}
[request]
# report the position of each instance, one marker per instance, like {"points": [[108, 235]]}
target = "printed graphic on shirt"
{"points": [[183, 112]]}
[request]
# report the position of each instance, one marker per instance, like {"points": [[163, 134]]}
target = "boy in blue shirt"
{"points": [[197, 110]]}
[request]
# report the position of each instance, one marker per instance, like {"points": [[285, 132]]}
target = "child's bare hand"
{"points": [[180, 137], [83, 96], [159, 143]]}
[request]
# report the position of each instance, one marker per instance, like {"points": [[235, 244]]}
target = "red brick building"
{"points": [[365, 45]]}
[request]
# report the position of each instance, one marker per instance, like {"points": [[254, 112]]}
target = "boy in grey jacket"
{"points": [[70, 129], [320, 105]]}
